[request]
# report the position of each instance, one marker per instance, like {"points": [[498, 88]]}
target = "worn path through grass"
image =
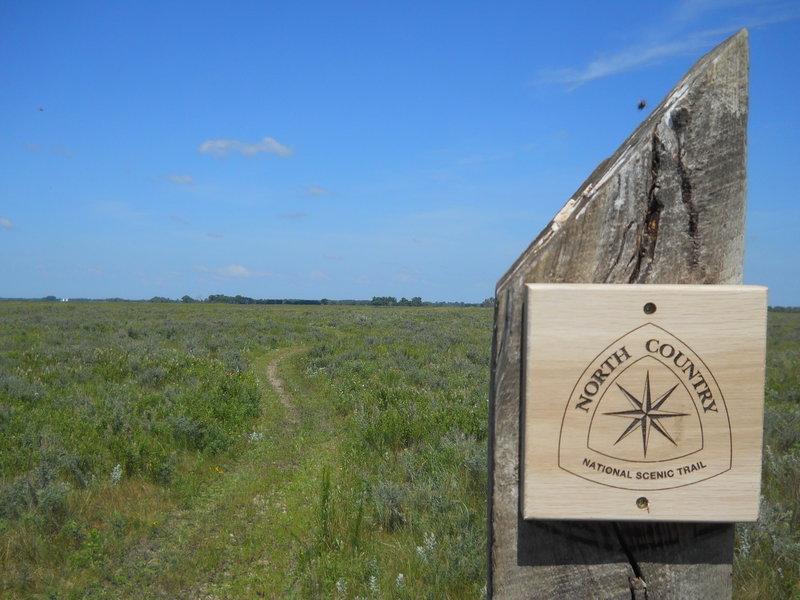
{"points": [[278, 385], [240, 538]]}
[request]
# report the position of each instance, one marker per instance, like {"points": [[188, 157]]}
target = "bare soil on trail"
{"points": [[163, 565], [279, 385]]}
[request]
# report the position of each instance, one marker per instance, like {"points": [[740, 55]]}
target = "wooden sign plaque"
{"points": [[643, 402]]}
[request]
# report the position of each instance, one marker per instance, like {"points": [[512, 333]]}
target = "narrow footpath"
{"points": [[240, 536]]}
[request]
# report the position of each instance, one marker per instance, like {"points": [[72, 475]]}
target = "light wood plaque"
{"points": [[643, 402]]}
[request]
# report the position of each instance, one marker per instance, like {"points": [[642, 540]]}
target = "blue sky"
{"points": [[348, 149]]}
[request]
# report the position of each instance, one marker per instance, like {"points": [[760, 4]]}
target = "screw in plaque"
{"points": [[642, 503], [649, 308]]}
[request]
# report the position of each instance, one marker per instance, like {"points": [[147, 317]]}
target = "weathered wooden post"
{"points": [[668, 207]]}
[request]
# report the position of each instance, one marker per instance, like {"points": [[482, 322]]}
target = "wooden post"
{"points": [[667, 207]]}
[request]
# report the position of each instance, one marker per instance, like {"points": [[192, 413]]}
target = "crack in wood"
{"points": [[647, 235], [636, 583], [679, 120]]}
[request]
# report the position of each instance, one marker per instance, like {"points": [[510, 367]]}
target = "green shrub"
{"points": [[51, 500]]}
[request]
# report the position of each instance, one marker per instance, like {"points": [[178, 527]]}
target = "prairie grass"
{"points": [[144, 453], [767, 559]]}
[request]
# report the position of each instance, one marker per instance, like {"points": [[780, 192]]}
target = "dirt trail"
{"points": [[279, 385], [161, 567]]}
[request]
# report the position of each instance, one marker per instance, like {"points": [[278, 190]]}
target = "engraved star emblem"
{"points": [[646, 414]]}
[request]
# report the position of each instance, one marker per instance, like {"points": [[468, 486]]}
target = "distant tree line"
{"points": [[238, 299], [392, 301], [376, 301], [223, 299]]}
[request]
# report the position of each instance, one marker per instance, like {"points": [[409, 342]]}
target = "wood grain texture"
{"points": [[667, 207], [643, 402]]}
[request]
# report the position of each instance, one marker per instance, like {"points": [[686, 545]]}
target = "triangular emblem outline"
{"points": [[724, 443]]}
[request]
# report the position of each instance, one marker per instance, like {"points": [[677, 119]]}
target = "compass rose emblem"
{"points": [[646, 414]]}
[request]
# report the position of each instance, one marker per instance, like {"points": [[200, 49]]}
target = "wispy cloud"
{"points": [[484, 158], [689, 10], [419, 241], [119, 210], [234, 271], [679, 36], [180, 179], [407, 275], [333, 257], [318, 275], [216, 235], [496, 155], [221, 148], [64, 151], [179, 220], [631, 59], [315, 190], [295, 216], [6, 223]]}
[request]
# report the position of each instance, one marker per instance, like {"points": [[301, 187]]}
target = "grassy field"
{"points": [[767, 559], [219, 451]]}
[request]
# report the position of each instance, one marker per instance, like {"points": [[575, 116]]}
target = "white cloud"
{"points": [[318, 275], [215, 235], [267, 145], [235, 271], [5, 223], [64, 151], [181, 179], [484, 158], [673, 39], [633, 58], [315, 190], [688, 10], [407, 275], [119, 210], [231, 271], [295, 216]]}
